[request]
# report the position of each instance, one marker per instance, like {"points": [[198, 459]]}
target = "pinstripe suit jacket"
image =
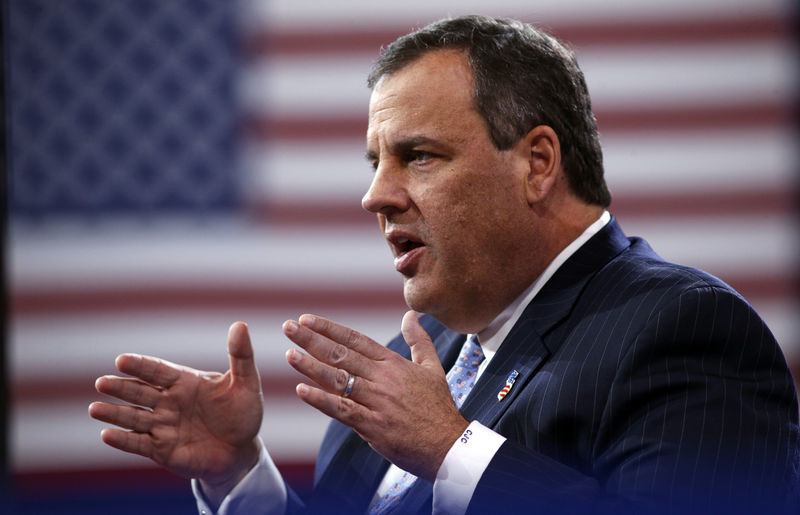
{"points": [[643, 387]]}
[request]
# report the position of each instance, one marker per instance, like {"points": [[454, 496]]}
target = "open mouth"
{"points": [[404, 246], [403, 242], [407, 249]]}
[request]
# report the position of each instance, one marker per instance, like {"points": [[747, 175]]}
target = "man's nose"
{"points": [[387, 194]]}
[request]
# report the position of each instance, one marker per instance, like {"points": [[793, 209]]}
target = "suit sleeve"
{"points": [[700, 416]]}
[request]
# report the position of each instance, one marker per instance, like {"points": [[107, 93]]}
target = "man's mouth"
{"points": [[406, 248]]}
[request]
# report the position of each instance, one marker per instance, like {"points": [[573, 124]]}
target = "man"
{"points": [[607, 379]]}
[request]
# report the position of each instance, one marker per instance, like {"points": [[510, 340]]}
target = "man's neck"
{"points": [[496, 331]]}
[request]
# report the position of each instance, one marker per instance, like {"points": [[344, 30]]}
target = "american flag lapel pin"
{"points": [[509, 383]]}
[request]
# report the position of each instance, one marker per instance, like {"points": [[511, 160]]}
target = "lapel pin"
{"points": [[509, 383]]}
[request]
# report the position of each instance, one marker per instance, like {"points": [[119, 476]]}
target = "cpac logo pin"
{"points": [[509, 383]]}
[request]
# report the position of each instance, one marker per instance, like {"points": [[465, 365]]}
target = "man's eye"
{"points": [[418, 156]]}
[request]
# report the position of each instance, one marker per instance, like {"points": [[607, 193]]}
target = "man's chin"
{"points": [[415, 296], [420, 297]]}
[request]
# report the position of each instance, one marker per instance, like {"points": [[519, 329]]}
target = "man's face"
{"points": [[449, 203]]}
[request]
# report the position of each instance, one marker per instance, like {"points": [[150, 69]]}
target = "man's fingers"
{"points": [[422, 350], [128, 417], [129, 390], [339, 333], [242, 359], [346, 411], [328, 351], [332, 379], [135, 443], [155, 371]]}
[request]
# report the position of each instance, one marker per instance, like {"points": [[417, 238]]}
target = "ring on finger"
{"points": [[349, 388]]}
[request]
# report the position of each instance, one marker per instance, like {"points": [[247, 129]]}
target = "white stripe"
{"points": [[347, 13], [646, 76], [226, 255], [242, 256], [194, 338], [687, 74]]}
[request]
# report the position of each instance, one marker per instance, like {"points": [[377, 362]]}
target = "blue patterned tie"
{"points": [[460, 378]]}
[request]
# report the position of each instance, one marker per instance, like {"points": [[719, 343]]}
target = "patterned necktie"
{"points": [[460, 379]]}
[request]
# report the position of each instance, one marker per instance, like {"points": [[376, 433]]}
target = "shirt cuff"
{"points": [[463, 467], [261, 491]]}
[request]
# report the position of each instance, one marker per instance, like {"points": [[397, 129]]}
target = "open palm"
{"points": [[196, 424]]}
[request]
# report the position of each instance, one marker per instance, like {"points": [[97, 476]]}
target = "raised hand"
{"points": [[402, 408], [196, 424]]}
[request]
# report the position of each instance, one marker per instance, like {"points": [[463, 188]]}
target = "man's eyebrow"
{"points": [[407, 144], [402, 146]]}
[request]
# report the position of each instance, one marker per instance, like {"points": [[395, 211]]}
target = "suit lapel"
{"points": [[522, 351], [448, 345], [559, 295]]}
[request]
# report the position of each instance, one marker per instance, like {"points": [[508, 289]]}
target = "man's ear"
{"points": [[544, 151]]}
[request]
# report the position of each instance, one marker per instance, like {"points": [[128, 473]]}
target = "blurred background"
{"points": [[178, 165]]}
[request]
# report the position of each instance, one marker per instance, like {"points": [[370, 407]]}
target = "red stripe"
{"points": [[689, 204], [746, 115], [693, 204], [304, 129], [149, 297], [291, 213], [279, 41], [74, 481], [769, 285], [757, 287], [38, 482]]}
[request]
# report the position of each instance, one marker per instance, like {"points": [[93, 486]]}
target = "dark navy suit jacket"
{"points": [[643, 387]]}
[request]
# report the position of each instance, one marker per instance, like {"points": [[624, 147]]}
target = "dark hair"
{"points": [[523, 78]]}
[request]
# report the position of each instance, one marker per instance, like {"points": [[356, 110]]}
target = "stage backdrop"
{"points": [[177, 166]]}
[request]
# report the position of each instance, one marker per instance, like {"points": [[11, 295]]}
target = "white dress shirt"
{"points": [[263, 491]]}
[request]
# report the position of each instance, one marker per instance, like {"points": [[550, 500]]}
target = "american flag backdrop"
{"points": [[179, 165]]}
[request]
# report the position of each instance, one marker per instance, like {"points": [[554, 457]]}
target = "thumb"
{"points": [[422, 350], [240, 351]]}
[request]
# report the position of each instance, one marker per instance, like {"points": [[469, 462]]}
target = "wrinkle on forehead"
{"points": [[379, 106]]}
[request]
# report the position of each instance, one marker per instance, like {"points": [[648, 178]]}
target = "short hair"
{"points": [[523, 78]]}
